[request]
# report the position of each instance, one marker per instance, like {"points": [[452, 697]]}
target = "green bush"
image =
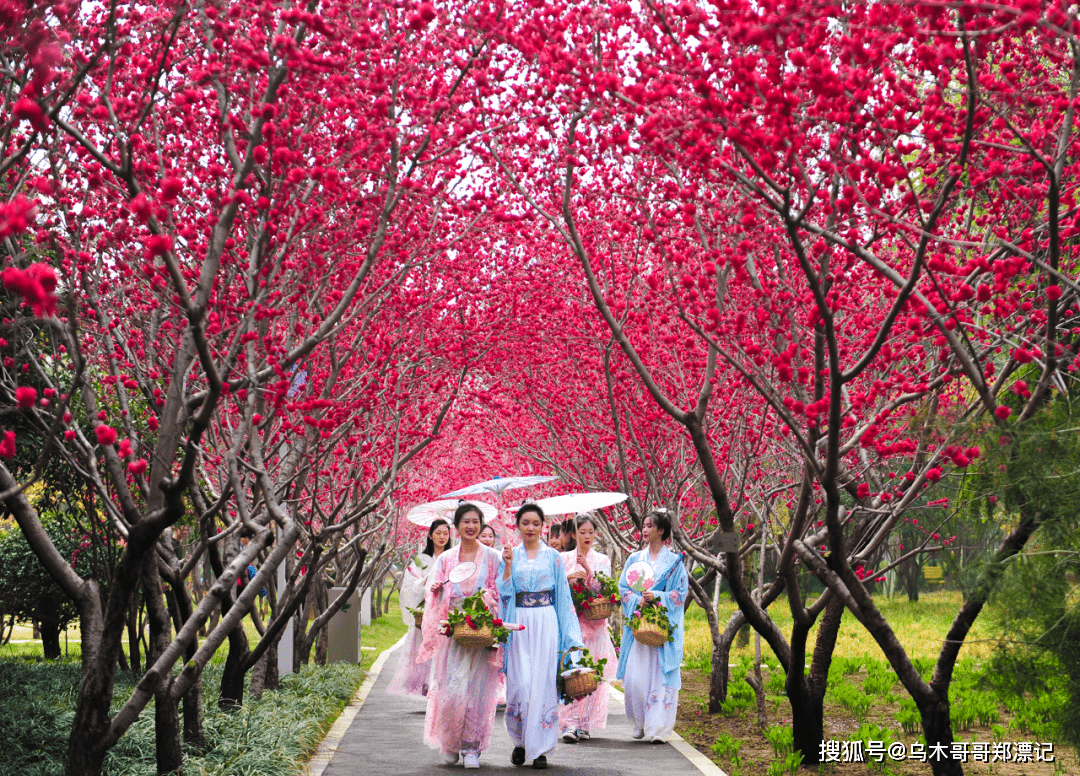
{"points": [[272, 736]]}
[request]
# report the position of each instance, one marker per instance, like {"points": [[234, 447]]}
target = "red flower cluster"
{"points": [[36, 285]]}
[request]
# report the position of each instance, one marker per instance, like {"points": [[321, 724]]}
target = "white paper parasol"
{"points": [[498, 485], [426, 514], [573, 503]]}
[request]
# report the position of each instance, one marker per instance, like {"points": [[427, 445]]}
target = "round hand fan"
{"points": [[640, 576], [461, 572]]}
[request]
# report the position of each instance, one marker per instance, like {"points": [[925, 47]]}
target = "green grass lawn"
{"points": [[920, 626], [382, 633], [864, 699]]}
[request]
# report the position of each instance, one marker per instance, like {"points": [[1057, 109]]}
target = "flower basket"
{"points": [[599, 608], [648, 633], [418, 615], [595, 606], [581, 684], [473, 626], [580, 680], [468, 637], [651, 626]]}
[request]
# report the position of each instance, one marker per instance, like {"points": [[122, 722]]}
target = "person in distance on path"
{"points": [[411, 677], [554, 539]]}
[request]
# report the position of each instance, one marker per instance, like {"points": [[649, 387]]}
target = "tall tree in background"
{"points": [[861, 221]]}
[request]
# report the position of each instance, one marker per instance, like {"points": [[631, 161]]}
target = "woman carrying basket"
{"points": [[411, 677], [650, 675], [534, 593], [464, 682], [583, 564]]}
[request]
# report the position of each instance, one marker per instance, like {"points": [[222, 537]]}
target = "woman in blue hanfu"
{"points": [[650, 675], [533, 592]]}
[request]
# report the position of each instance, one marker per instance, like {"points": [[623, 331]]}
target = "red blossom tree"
{"points": [[238, 224], [862, 221]]}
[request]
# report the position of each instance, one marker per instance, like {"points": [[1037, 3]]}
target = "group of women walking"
{"points": [[530, 586]]}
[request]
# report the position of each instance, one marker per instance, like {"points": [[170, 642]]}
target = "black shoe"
{"points": [[518, 756], [540, 763]]}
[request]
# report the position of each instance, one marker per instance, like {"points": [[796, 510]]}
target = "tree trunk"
{"points": [[721, 662], [748, 582], [168, 751], [50, 639], [807, 693], [758, 686], [807, 720], [322, 646], [258, 677], [272, 679], [231, 695], [194, 734], [911, 580], [85, 756], [169, 754], [86, 744], [937, 727]]}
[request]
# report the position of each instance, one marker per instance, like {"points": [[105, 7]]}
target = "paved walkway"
{"points": [[384, 736]]}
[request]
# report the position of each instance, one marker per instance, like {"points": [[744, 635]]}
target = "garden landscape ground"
{"points": [[802, 275], [863, 701], [274, 736]]}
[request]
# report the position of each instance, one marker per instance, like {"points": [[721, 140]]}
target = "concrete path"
{"points": [[384, 737]]}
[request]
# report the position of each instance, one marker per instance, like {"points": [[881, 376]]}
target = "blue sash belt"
{"points": [[532, 600]]}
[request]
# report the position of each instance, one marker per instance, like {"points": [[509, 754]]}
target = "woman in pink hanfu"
{"points": [[464, 684], [584, 715]]}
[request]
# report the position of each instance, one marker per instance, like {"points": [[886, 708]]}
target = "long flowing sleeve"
{"points": [[673, 596], [413, 585], [598, 564], [507, 592], [569, 627], [490, 584], [630, 601], [437, 605]]}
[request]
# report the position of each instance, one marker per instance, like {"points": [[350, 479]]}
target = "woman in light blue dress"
{"points": [[650, 675], [533, 592]]}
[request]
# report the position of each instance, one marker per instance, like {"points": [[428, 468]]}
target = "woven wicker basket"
{"points": [[418, 618], [649, 633], [580, 685], [473, 638], [599, 609]]}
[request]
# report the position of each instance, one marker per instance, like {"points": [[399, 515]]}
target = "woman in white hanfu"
{"points": [[464, 682], [534, 592], [584, 715], [650, 675], [411, 677]]}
